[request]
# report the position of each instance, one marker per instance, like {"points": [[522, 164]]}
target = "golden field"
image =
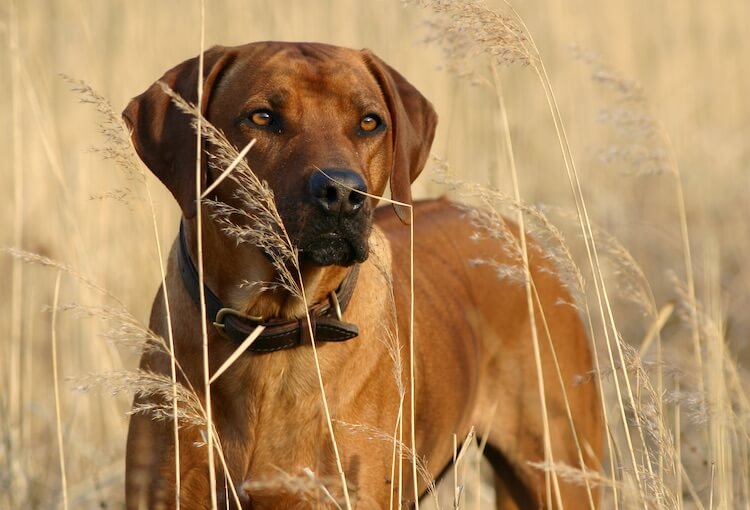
{"points": [[653, 98]]}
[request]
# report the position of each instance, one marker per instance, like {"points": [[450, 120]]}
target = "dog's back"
{"points": [[474, 330]]}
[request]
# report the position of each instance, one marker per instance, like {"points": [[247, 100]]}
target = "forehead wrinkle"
{"points": [[278, 98], [366, 103], [346, 89], [325, 74], [287, 78], [273, 96]]}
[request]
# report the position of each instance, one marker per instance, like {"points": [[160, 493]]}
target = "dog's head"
{"points": [[329, 122]]}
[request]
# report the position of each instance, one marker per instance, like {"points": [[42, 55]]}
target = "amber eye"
{"points": [[261, 118], [369, 123]]}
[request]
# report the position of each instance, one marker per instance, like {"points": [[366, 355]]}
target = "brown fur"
{"points": [[473, 350]]}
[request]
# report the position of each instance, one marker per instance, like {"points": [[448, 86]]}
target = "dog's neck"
{"points": [[317, 284], [250, 286]]}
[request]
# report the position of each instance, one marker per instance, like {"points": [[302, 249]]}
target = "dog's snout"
{"points": [[338, 190]]}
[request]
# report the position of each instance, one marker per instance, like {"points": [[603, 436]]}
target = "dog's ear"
{"points": [[413, 123], [163, 135]]}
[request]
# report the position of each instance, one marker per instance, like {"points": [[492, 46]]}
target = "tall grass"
{"points": [[655, 190]]}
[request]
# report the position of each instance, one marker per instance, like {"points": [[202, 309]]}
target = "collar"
{"points": [[278, 334]]}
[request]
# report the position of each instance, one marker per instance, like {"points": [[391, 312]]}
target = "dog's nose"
{"points": [[338, 190]]}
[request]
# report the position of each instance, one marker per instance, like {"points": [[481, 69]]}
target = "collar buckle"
{"points": [[334, 298], [224, 312]]}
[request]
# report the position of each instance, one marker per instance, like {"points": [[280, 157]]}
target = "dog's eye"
{"points": [[370, 123], [261, 118]]}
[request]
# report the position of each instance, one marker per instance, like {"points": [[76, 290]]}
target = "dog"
{"points": [[333, 126]]}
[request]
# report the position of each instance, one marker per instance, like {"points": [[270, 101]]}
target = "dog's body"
{"points": [[473, 353]]}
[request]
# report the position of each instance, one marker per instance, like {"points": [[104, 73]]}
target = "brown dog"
{"points": [[313, 107]]}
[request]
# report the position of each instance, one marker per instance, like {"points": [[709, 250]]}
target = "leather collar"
{"points": [[278, 334]]}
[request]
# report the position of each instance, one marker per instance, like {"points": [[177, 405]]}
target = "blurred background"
{"points": [[687, 61]]}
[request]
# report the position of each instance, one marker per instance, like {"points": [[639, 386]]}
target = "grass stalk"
{"points": [[412, 376], [654, 332], [16, 291], [228, 481], [172, 354], [329, 422], [199, 257], [56, 383], [593, 257], [480, 451], [456, 493], [711, 487], [601, 294], [458, 456], [568, 412], [611, 444], [678, 442], [688, 262], [229, 169], [548, 459], [245, 345], [401, 454], [397, 453]]}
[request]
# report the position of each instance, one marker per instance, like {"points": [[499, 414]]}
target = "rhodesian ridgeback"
{"points": [[330, 125]]}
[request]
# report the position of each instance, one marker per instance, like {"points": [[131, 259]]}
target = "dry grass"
{"points": [[646, 179]]}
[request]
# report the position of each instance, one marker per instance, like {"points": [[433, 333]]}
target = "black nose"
{"points": [[337, 190]]}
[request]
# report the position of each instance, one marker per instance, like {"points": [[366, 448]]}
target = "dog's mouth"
{"points": [[333, 248], [327, 240]]}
